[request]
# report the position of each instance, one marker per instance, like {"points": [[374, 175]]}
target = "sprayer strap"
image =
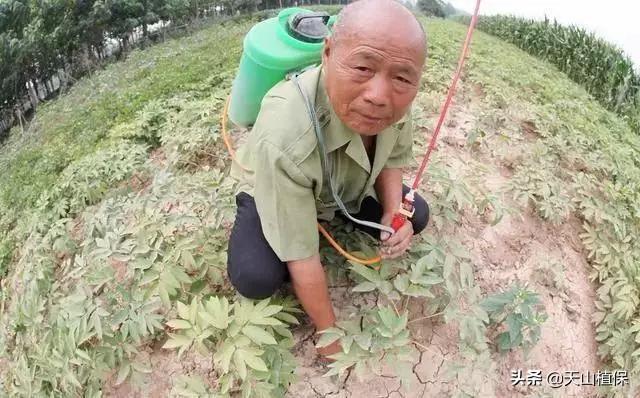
{"points": [[324, 163]]}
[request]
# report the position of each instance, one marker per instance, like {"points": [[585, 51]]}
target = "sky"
{"points": [[617, 21]]}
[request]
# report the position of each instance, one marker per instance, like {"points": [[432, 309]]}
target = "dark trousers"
{"points": [[253, 267]]}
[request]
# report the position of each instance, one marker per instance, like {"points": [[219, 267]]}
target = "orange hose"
{"points": [[225, 134], [346, 254], [232, 153]]}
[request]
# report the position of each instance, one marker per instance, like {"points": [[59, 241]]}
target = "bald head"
{"points": [[379, 18], [373, 63]]}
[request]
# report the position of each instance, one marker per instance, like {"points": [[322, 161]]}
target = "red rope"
{"points": [[445, 106]]}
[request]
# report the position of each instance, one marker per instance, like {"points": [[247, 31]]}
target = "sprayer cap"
{"points": [[310, 27]]}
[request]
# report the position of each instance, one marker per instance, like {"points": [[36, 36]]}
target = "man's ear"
{"points": [[326, 50]]}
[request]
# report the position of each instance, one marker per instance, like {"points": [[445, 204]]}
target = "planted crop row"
{"points": [[602, 68]]}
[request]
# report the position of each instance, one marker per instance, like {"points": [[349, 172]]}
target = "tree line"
{"points": [[438, 8], [46, 44]]}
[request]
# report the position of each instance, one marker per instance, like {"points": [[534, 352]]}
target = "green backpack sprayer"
{"points": [[279, 48], [272, 49]]}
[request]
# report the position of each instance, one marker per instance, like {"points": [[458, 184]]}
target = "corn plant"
{"points": [[599, 66]]}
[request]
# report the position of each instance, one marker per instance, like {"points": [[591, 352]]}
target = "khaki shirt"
{"points": [[283, 165]]}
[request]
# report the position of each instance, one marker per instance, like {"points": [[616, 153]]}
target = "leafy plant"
{"points": [[191, 387], [250, 341], [517, 310], [548, 194], [377, 338]]}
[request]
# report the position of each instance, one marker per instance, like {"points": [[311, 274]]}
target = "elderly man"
{"points": [[362, 92]]}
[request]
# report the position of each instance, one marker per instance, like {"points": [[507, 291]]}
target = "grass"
{"points": [[109, 235]]}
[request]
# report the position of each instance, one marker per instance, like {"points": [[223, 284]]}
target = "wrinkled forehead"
{"points": [[393, 30], [400, 42]]}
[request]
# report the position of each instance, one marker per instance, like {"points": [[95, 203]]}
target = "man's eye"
{"points": [[362, 69], [403, 80]]}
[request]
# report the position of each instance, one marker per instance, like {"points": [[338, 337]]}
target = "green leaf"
{"points": [[363, 340], [504, 343], [364, 287], [401, 282], [164, 296], [259, 336], [346, 342], [82, 354], [226, 382], [187, 259], [283, 331], [198, 286], [286, 317], [123, 372], [428, 280], [388, 316], [222, 357], [515, 326], [480, 313], [328, 336], [271, 310], [183, 310], [142, 367], [265, 321], [368, 273], [494, 303], [179, 324], [193, 311], [254, 361], [97, 324], [177, 340], [241, 366], [217, 312]]}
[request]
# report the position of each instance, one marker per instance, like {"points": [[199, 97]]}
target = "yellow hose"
{"points": [[344, 253], [232, 153]]}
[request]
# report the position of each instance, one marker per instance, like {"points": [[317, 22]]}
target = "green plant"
{"points": [[517, 310], [191, 387], [539, 186], [599, 66], [377, 338], [250, 342]]}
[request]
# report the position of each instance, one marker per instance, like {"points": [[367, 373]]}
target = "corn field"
{"points": [[602, 68]]}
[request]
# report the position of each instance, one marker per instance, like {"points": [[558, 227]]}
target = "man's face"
{"points": [[371, 79]]}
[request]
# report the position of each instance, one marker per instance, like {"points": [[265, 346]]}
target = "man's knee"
{"points": [[420, 217], [255, 285]]}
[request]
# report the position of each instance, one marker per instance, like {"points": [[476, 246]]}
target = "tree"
{"points": [[432, 8]]}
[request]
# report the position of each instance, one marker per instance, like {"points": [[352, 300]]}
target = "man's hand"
{"points": [[310, 285], [388, 186], [396, 244]]}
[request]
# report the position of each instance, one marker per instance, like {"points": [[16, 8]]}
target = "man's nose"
{"points": [[378, 91]]}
